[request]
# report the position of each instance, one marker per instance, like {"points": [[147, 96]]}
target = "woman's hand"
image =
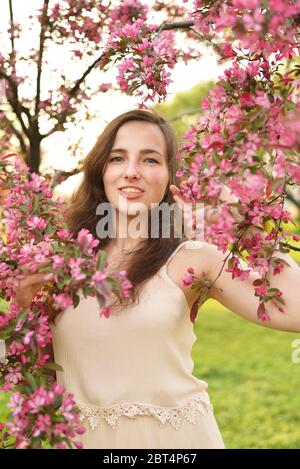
{"points": [[211, 214], [28, 285], [188, 211]]}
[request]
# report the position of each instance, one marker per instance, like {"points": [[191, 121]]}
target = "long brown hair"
{"points": [[81, 211]]}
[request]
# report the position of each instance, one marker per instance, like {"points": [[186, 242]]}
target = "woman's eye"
{"points": [[147, 159], [114, 157], [152, 159]]}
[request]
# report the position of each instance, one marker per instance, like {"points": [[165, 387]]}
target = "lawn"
{"points": [[253, 384]]}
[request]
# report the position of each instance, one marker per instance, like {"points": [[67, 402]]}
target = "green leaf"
{"points": [[31, 380], [284, 250], [215, 159], [64, 281], [53, 366], [101, 260], [76, 299], [24, 209], [36, 443], [4, 335], [4, 305], [36, 202]]}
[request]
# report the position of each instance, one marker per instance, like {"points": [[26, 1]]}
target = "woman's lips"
{"points": [[131, 195]]}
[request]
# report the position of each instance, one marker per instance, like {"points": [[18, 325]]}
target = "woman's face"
{"points": [[138, 158]]}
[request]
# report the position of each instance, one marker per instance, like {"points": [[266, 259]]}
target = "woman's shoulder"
{"points": [[190, 253], [191, 244]]}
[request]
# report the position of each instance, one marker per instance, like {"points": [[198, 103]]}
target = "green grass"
{"points": [[253, 384]]}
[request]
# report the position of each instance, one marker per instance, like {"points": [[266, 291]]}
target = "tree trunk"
{"points": [[34, 152]]}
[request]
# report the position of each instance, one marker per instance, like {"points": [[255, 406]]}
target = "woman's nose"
{"points": [[131, 170]]}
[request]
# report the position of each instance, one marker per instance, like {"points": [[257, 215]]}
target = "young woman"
{"points": [[131, 373]]}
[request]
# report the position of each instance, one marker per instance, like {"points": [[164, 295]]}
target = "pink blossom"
{"points": [[75, 269], [62, 300], [80, 430], [60, 446], [28, 337], [247, 99], [42, 423], [105, 311], [67, 407], [126, 288], [58, 389], [13, 375], [254, 20], [86, 241], [57, 261], [236, 271], [262, 99], [36, 222], [16, 348], [78, 444], [187, 281], [249, 4], [260, 291], [62, 234], [227, 50]]}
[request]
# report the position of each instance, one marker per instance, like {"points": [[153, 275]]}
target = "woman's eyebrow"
{"points": [[144, 151]]}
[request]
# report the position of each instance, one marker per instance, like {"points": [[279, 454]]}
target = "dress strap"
{"points": [[189, 244]]}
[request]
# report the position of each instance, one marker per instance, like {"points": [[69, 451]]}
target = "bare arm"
{"points": [[239, 295]]}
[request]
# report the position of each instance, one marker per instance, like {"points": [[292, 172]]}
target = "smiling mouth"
{"points": [[131, 194], [130, 189]]}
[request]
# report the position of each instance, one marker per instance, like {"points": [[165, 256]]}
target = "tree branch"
{"points": [[12, 36], [17, 133], [40, 57], [73, 91], [290, 246], [292, 199], [177, 25], [14, 102]]}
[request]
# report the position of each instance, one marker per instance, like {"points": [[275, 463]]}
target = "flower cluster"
{"points": [[35, 236], [145, 57], [248, 134], [44, 415], [259, 27], [127, 12]]}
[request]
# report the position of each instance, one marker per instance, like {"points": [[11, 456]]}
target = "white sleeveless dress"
{"points": [[131, 373]]}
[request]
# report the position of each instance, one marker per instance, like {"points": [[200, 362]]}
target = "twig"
{"points": [[40, 57]]}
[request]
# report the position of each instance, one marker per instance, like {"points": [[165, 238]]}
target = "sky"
{"points": [[108, 105]]}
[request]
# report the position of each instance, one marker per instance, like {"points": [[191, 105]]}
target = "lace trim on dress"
{"points": [[172, 415]]}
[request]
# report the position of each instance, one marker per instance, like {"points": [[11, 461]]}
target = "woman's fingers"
{"points": [[32, 279], [175, 191], [178, 197], [25, 271]]}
